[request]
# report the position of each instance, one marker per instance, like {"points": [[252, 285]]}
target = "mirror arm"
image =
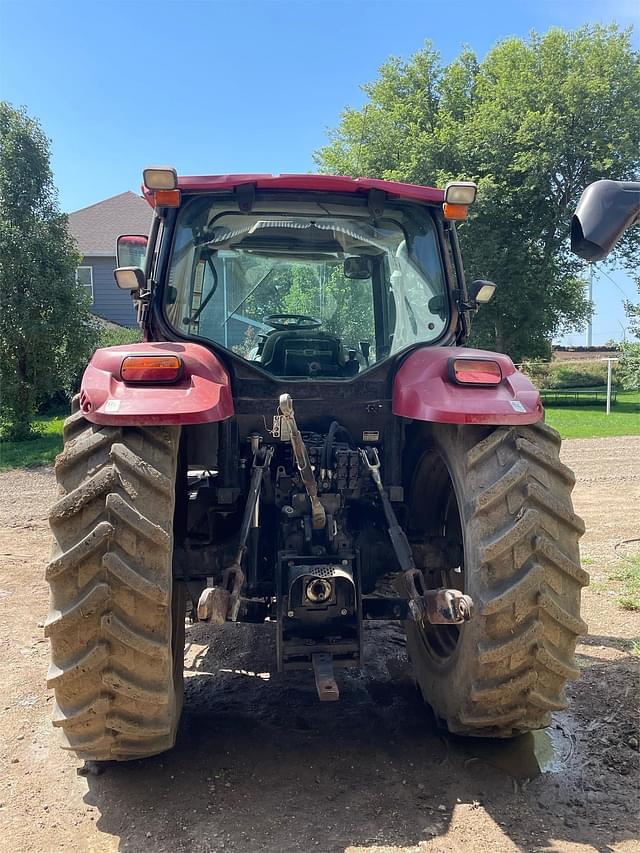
{"points": [[153, 236], [462, 302]]}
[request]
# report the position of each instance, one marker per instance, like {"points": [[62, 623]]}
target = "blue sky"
{"points": [[215, 87]]}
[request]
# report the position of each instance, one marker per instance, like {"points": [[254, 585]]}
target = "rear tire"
{"points": [[504, 672], [116, 621]]}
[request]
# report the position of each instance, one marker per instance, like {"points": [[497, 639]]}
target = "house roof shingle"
{"points": [[97, 227]]}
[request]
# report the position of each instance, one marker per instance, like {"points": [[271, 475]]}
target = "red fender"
{"points": [[423, 390], [202, 394]]}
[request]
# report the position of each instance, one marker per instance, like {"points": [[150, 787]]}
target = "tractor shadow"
{"points": [[261, 765]]}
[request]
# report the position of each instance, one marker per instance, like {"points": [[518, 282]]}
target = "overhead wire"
{"points": [[615, 284]]}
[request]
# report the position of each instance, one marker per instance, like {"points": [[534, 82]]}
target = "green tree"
{"points": [[533, 123], [352, 320], [46, 332], [316, 290], [632, 310], [629, 366]]}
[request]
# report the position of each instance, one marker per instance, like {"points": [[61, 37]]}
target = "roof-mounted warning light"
{"points": [[162, 182], [160, 178], [458, 195]]}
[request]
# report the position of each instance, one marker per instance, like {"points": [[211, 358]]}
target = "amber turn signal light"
{"points": [[475, 371], [166, 198], [453, 211], [151, 368]]}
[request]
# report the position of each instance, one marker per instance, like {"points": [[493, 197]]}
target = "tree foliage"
{"points": [[629, 366], [533, 123], [46, 333], [632, 310], [630, 361], [344, 306]]}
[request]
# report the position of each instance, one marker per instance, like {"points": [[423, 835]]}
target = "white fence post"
{"points": [[609, 363]]}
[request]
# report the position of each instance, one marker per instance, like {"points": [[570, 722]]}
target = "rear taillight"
{"points": [[151, 368], [475, 371]]}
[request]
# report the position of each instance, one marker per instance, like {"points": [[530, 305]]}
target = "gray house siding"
{"points": [[109, 302], [95, 229]]}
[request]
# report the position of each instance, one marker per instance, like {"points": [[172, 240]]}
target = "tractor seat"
{"points": [[305, 353]]}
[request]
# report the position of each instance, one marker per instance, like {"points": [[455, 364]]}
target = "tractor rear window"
{"points": [[308, 291]]}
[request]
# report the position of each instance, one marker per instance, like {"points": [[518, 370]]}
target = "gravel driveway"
{"points": [[260, 765]]}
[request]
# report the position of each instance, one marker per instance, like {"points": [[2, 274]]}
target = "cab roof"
{"points": [[311, 183]]}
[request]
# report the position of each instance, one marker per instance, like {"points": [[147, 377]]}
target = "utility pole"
{"points": [[589, 339]]}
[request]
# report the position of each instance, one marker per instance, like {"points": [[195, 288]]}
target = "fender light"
{"points": [[474, 371], [151, 368]]}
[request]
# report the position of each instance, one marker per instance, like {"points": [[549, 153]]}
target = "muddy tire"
{"points": [[116, 621], [508, 500]]}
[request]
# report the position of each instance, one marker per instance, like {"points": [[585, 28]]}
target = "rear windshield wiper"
{"points": [[253, 290], [194, 316]]}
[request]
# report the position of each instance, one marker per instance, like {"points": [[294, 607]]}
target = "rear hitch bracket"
{"points": [[325, 679], [217, 604], [437, 606]]}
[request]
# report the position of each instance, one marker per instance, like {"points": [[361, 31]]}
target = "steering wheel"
{"points": [[291, 322]]}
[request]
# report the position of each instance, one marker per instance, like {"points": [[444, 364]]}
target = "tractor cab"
{"points": [[304, 286]]}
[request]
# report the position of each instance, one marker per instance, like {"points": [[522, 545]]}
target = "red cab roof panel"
{"points": [[311, 183]]}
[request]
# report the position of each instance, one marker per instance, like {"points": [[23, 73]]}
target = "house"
{"points": [[96, 229]]}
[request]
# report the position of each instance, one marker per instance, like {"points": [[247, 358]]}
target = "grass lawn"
{"points": [[623, 581], [592, 421], [628, 576], [38, 451]]}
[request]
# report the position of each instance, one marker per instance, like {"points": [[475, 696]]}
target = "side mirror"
{"points": [[605, 210], [130, 278], [437, 305], [358, 267], [481, 291], [131, 250]]}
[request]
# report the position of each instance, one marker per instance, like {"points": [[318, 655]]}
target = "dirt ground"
{"points": [[260, 765]]}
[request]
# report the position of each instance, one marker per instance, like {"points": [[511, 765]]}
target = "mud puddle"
{"points": [[545, 751]]}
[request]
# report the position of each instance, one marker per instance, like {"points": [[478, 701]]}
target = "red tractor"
{"points": [[303, 440]]}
